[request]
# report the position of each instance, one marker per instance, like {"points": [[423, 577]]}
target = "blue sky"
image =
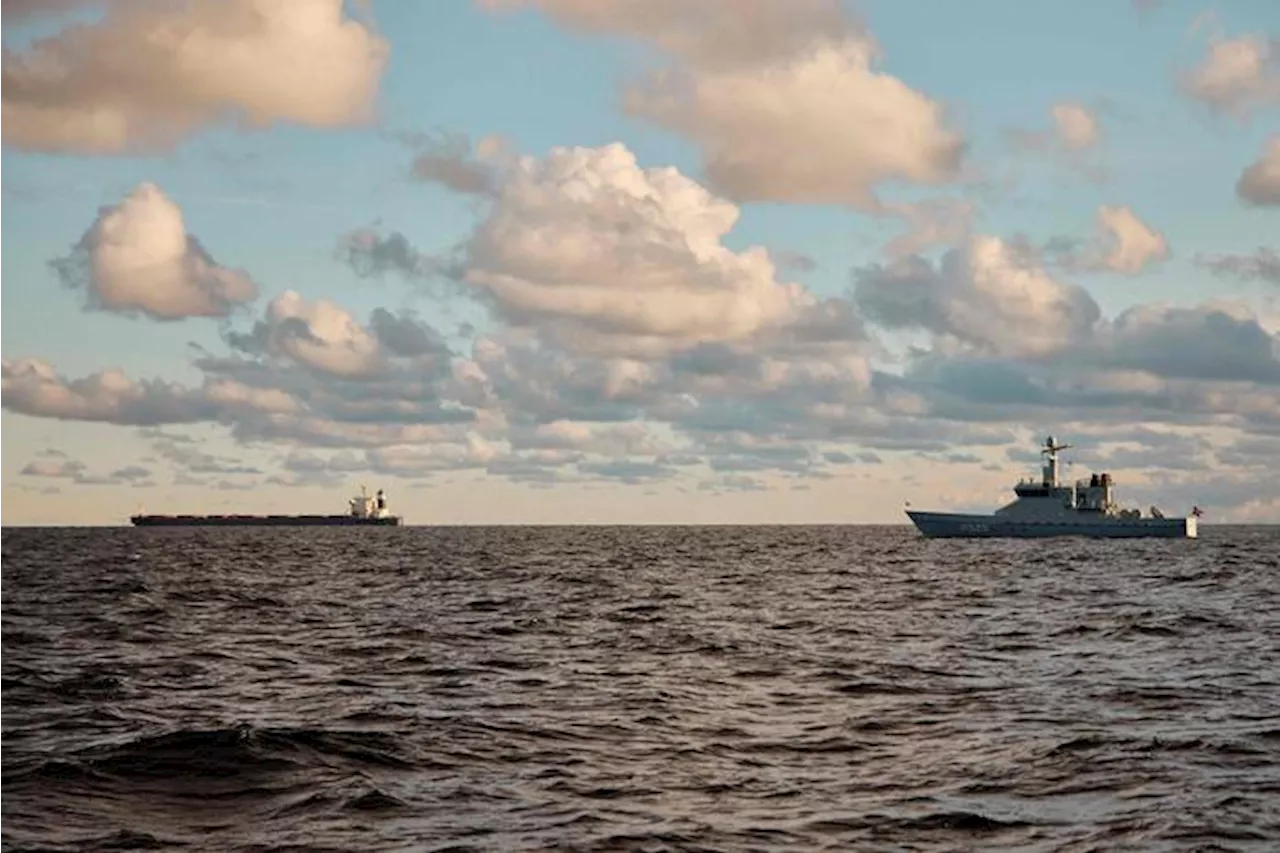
{"points": [[276, 201]]}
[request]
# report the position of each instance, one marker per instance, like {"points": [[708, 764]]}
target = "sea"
{"points": [[638, 689]]}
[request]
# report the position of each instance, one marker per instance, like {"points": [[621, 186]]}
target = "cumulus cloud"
{"points": [[1262, 265], [411, 461], [1205, 342], [316, 350], [148, 75], [1211, 364], [983, 295], [1121, 243], [785, 102], [606, 255], [53, 468], [1076, 126], [1075, 130], [1072, 139], [1237, 75], [137, 257], [1128, 244], [1260, 183], [824, 127], [319, 335], [625, 439], [405, 336], [256, 400], [34, 387], [450, 160], [78, 473]]}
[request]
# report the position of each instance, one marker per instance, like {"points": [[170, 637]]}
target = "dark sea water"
{"points": [[602, 689]]}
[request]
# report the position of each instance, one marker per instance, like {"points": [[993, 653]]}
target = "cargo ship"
{"points": [[1046, 507], [362, 510]]}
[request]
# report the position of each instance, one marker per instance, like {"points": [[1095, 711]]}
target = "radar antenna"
{"points": [[1051, 447]]}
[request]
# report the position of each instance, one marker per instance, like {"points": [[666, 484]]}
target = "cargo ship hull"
{"points": [[264, 521]]}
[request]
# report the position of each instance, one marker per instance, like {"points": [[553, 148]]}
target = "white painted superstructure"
{"points": [[363, 506], [1048, 507]]}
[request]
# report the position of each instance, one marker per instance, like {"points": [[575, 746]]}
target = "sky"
{"points": [[637, 261]]}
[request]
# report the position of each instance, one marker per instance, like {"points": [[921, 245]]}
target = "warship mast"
{"points": [[1050, 451]]}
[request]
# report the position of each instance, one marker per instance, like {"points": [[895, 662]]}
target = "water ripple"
{"points": [[606, 689]]}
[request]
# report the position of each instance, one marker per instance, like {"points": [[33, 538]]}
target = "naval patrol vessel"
{"points": [[1046, 507]]}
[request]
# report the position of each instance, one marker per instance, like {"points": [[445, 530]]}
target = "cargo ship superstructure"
{"points": [[362, 510], [1047, 507]]}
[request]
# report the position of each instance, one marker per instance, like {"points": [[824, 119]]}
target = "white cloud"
{"points": [[603, 255], [1209, 364], [78, 473], [322, 335], [1237, 75], [319, 335], [983, 295], [451, 161], [1073, 139], [1129, 244], [822, 127], [34, 387], [785, 102], [1260, 183], [1121, 243], [1076, 126], [69, 468], [228, 394], [138, 257], [148, 75]]}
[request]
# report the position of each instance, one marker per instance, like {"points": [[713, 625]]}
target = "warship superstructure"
{"points": [[1046, 507], [361, 510]]}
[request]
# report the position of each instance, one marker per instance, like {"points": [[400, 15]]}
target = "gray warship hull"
{"points": [[959, 525]]}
